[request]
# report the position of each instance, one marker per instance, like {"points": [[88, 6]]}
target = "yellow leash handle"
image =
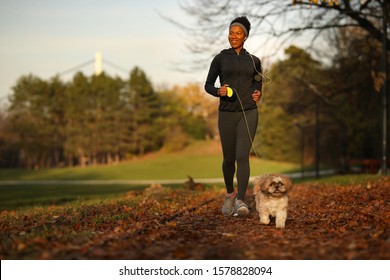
{"points": [[229, 92]]}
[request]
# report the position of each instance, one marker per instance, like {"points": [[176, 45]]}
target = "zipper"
{"points": [[238, 76]]}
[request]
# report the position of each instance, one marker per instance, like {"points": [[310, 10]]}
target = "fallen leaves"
{"points": [[324, 222]]}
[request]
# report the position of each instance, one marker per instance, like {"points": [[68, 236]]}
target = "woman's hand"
{"points": [[256, 95], [222, 91]]}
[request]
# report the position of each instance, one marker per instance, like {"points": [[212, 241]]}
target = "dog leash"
{"points": [[231, 90]]}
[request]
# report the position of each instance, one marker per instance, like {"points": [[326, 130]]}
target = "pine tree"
{"points": [[146, 112]]}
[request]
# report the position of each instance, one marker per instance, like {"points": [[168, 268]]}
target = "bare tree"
{"points": [[280, 19]]}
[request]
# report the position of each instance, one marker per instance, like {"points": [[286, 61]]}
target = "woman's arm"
{"points": [[257, 80], [212, 77]]}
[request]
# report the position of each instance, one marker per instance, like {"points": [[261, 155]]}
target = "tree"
{"points": [[30, 116], [286, 103], [201, 109], [8, 142], [275, 19], [173, 115], [146, 112], [77, 114], [276, 23], [353, 95], [56, 109], [107, 127], [343, 95], [95, 120]]}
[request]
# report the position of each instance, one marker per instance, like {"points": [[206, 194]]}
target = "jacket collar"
{"points": [[242, 51]]}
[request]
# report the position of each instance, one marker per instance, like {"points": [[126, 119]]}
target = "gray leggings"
{"points": [[236, 146]]}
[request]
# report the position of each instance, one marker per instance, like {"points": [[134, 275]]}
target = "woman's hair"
{"points": [[243, 21]]}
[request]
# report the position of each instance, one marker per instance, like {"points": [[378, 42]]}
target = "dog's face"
{"points": [[273, 185]]}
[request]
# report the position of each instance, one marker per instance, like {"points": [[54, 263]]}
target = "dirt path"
{"points": [[325, 222]]}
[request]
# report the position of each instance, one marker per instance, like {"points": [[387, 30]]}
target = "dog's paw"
{"points": [[264, 220], [280, 226], [280, 223]]}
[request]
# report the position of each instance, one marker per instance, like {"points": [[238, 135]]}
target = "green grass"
{"points": [[25, 196], [200, 160], [342, 180]]}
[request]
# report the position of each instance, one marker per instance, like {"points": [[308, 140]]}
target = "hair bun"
{"points": [[244, 21]]}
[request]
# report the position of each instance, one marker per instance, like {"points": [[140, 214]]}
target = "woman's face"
{"points": [[236, 37]]}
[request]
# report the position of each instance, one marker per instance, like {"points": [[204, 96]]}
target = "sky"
{"points": [[49, 37]]}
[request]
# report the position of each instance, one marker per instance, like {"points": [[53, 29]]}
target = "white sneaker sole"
{"points": [[242, 211]]}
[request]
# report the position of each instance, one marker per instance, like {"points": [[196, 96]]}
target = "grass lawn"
{"points": [[25, 196], [200, 160]]}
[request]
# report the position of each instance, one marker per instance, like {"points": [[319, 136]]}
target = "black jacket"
{"points": [[238, 71]]}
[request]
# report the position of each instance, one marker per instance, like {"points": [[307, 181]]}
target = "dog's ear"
{"points": [[256, 189], [288, 183], [265, 181], [256, 185]]}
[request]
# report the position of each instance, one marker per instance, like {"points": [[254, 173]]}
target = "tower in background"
{"points": [[98, 63]]}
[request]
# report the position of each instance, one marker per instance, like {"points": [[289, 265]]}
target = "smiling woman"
{"points": [[237, 36], [240, 74]]}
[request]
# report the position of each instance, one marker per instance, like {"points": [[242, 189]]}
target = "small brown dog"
{"points": [[270, 193]]}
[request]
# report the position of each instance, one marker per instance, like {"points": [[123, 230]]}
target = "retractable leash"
{"points": [[230, 92]]}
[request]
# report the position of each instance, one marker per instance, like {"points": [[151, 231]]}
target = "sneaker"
{"points": [[228, 204], [240, 208]]}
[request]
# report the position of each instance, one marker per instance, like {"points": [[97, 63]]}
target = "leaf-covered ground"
{"points": [[325, 222]]}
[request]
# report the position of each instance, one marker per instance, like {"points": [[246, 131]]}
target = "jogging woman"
{"points": [[240, 71]]}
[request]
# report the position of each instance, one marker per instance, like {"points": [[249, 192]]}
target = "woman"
{"points": [[238, 115]]}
